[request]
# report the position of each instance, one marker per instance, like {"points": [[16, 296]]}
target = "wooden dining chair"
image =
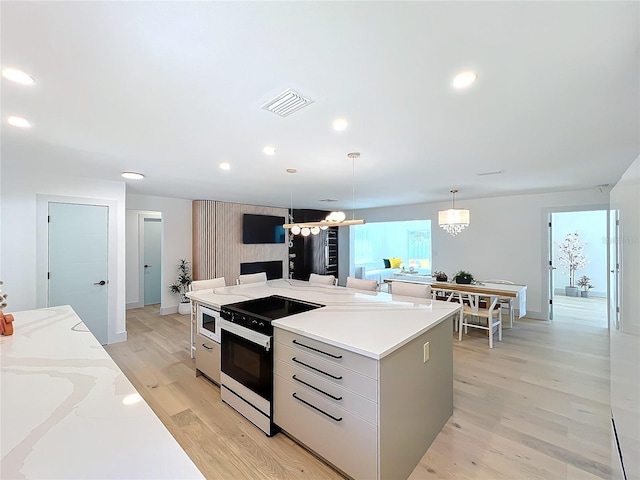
{"points": [[474, 316], [322, 279], [260, 277], [505, 302], [361, 284]]}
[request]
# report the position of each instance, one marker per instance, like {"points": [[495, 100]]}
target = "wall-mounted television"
{"points": [[262, 228]]}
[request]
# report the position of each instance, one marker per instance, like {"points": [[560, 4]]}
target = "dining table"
{"points": [[512, 291]]}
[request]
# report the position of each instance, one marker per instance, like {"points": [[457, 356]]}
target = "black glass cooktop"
{"points": [[271, 308]]}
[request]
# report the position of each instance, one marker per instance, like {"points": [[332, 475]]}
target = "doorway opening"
{"points": [[578, 267], [150, 257]]}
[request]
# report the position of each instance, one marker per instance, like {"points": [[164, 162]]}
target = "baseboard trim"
{"points": [[168, 310]]}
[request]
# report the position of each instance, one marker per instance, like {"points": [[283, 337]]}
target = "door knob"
{"points": [[147, 266], [101, 282]]}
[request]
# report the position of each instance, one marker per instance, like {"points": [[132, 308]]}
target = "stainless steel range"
{"points": [[247, 354]]}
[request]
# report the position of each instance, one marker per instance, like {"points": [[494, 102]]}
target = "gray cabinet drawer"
{"points": [[208, 358], [346, 440], [329, 371], [339, 356], [335, 394]]}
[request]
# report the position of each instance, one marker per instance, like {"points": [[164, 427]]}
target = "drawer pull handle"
{"points": [[316, 350], [207, 347], [316, 369], [315, 388], [316, 408]]}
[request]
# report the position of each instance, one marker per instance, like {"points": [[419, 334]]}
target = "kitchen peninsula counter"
{"points": [[69, 412], [373, 324], [365, 382]]}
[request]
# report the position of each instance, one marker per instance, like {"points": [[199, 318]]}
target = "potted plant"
{"points": [[463, 277], [181, 285], [572, 257], [585, 283], [440, 276]]}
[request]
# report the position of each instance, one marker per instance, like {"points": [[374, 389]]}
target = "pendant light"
{"points": [[334, 219], [453, 220]]}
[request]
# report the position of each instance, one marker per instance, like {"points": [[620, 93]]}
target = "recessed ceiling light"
{"points": [[269, 150], [340, 124], [17, 76], [133, 175], [225, 166], [464, 79], [292, 170], [18, 122]]}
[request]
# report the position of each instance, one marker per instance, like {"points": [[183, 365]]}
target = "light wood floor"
{"points": [[590, 311], [534, 407]]}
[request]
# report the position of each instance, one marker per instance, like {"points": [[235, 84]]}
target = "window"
{"points": [[408, 240]]}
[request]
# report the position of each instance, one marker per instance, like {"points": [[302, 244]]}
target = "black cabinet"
{"points": [[314, 253]]}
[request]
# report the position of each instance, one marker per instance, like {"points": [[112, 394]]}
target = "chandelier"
{"points": [[334, 219], [453, 220]]}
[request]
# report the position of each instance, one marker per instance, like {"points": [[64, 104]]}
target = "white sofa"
{"points": [[376, 270]]}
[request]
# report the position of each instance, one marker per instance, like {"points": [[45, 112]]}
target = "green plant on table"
{"points": [[462, 276]]}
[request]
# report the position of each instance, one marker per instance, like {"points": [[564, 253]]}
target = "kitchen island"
{"points": [[69, 412], [366, 381]]}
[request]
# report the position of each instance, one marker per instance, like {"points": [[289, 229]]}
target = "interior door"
{"points": [[152, 257], [551, 267], [614, 271], [77, 262]]}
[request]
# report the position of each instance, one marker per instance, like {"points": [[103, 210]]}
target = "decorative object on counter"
{"points": [[440, 276], [181, 286], [584, 282], [453, 220], [334, 219], [6, 319], [463, 277], [572, 257]]}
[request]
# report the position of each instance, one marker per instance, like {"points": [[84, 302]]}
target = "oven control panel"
{"points": [[248, 321]]}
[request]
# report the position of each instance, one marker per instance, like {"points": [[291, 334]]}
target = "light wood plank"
{"points": [[535, 406]]}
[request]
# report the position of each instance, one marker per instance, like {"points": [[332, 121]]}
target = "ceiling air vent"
{"points": [[286, 103]]}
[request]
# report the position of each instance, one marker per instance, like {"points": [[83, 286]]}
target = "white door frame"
{"points": [[141, 217], [546, 245], [42, 255]]}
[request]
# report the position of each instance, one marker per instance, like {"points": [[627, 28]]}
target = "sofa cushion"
{"points": [[387, 263], [395, 262]]}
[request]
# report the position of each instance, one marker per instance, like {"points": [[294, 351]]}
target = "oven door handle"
{"points": [[255, 337]]}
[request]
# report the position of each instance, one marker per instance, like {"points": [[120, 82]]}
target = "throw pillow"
{"points": [[395, 262], [387, 263], [424, 263]]}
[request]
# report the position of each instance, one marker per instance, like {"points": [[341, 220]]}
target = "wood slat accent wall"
{"points": [[203, 213], [217, 240]]}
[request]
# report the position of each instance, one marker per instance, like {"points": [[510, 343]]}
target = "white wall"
{"points": [[20, 229], [176, 244], [507, 237], [625, 336]]}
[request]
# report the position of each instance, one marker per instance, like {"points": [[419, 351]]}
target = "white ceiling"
{"points": [[171, 89]]}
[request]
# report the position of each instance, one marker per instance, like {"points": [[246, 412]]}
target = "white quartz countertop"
{"points": [[373, 324], [68, 411]]}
